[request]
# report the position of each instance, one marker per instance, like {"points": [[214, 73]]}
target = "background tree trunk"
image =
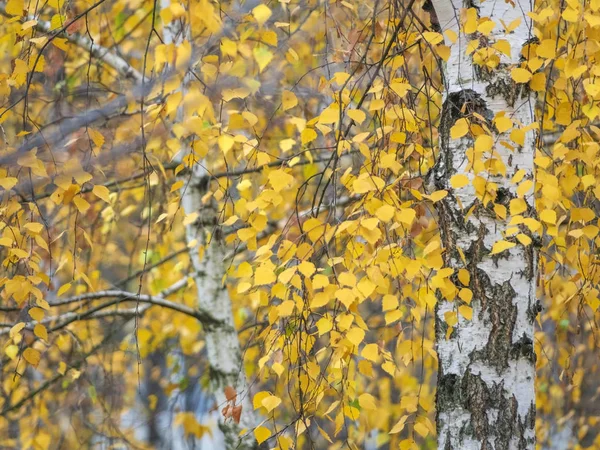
{"points": [[485, 394], [207, 254]]}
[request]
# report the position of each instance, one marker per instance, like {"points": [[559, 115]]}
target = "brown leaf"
{"points": [[236, 413], [230, 393], [227, 411]]}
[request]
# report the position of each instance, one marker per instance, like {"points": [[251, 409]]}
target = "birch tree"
{"points": [[486, 375], [341, 219]]}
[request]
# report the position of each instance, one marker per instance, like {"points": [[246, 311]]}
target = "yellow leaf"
{"points": [[96, 137], [452, 36], [34, 227], [392, 316], [81, 204], [503, 46], [367, 401], [357, 115], [271, 402], [320, 281], [329, 115], [518, 136], [437, 196], [483, 143], [11, 351], [36, 314], [432, 37], [521, 75], [450, 318], [458, 181], [314, 228], [421, 429], [366, 184], [538, 82], [64, 288], [306, 268], [370, 352], [262, 434], [345, 296], [264, 275], [385, 213], [320, 299], [324, 325], [466, 312], [389, 367], [472, 46], [486, 27], [460, 128], [8, 182], [466, 295], [513, 25], [389, 302], [370, 223], [407, 216], [286, 308], [503, 124], [432, 246], [32, 356], [184, 54], [261, 13], [15, 7], [177, 185], [409, 402], [470, 24], [401, 89], [399, 425], [16, 329], [501, 246], [546, 48], [102, 193], [376, 104], [40, 331], [355, 335], [523, 239], [524, 187], [308, 135], [288, 100], [500, 210], [225, 142], [258, 398], [548, 216], [280, 179], [61, 43], [263, 56]]}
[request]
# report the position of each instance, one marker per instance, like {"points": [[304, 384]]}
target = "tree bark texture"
{"points": [[485, 393]]}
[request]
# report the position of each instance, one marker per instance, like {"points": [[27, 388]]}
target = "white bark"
{"points": [[207, 254], [222, 344], [486, 397]]}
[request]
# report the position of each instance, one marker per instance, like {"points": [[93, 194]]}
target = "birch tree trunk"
{"points": [[485, 393], [207, 254], [222, 345]]}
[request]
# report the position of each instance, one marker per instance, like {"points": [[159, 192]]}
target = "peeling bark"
{"points": [[486, 374]]}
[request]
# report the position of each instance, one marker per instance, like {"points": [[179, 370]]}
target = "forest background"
{"points": [[299, 224]]}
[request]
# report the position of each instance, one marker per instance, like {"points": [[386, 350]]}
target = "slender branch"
{"points": [[118, 296], [104, 54]]}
